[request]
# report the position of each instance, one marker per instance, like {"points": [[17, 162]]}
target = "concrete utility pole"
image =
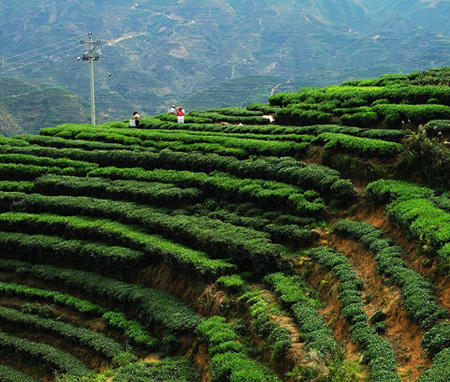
{"points": [[89, 56]]}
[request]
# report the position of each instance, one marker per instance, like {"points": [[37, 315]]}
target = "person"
{"points": [[135, 121], [180, 114], [172, 110]]}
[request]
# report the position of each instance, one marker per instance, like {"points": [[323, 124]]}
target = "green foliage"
{"points": [[259, 312], [38, 309], [16, 186], [427, 159], [156, 307], [168, 370], [242, 245], [236, 367], [297, 116], [123, 359], [233, 283], [386, 191], [220, 337], [156, 193], [396, 115], [132, 329], [228, 359], [71, 378], [391, 102], [437, 338], [142, 245], [411, 209], [13, 141], [265, 108], [378, 352], [438, 127], [181, 140], [71, 166], [263, 192], [364, 147], [417, 292], [47, 355], [290, 289], [360, 119], [98, 342], [115, 199], [278, 337], [385, 135], [285, 170], [439, 371], [9, 374], [53, 296], [296, 295]]}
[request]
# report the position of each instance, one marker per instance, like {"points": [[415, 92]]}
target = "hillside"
{"points": [[230, 248], [25, 108], [155, 53]]}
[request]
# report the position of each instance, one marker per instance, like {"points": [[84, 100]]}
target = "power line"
{"points": [[29, 58], [41, 59], [44, 47]]}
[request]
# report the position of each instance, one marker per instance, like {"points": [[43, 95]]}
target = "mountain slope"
{"points": [[228, 248], [155, 53], [28, 108], [419, 14]]}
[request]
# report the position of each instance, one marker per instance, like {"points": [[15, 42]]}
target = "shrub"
{"points": [[169, 369], [361, 119], [437, 127], [437, 338], [439, 371], [233, 283]]}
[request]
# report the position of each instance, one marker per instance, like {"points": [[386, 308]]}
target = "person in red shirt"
{"points": [[180, 114]]}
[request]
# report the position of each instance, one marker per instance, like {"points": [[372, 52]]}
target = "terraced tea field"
{"points": [[229, 248]]}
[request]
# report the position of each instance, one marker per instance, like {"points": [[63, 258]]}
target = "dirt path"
{"points": [[403, 334], [297, 351], [428, 267], [326, 287]]}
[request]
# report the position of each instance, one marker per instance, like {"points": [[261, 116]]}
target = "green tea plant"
{"points": [[228, 359], [296, 296], [157, 308], [9, 374], [45, 354], [378, 352], [98, 342]]}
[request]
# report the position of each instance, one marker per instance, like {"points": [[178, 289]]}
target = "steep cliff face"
{"points": [[155, 53]]}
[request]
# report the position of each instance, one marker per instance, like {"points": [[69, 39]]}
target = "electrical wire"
{"points": [[35, 61], [18, 63], [44, 47]]}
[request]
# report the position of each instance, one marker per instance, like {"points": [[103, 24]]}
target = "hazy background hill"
{"points": [[27, 108], [213, 53]]}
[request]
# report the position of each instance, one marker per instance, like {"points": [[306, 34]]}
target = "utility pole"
{"points": [[89, 56]]}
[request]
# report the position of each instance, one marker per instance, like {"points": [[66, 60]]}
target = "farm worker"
{"points": [[180, 114], [135, 121]]}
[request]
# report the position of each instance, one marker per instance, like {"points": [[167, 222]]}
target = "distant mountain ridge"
{"points": [[155, 53]]}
